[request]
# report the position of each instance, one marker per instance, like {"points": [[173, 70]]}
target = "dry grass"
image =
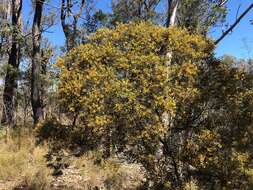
{"points": [[22, 163], [109, 175]]}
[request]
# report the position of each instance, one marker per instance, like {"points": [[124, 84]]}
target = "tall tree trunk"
{"points": [[174, 140], [70, 29], [36, 87], [172, 12], [11, 77]]}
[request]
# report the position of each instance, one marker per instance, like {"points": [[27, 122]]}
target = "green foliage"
{"points": [[201, 15], [134, 10]]}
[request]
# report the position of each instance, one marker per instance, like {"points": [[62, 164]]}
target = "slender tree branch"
{"points": [[222, 3], [233, 25]]}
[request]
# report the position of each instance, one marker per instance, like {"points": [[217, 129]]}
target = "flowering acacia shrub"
{"points": [[150, 92], [120, 84]]}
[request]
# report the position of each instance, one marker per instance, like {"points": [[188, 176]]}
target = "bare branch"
{"points": [[222, 3], [233, 25]]}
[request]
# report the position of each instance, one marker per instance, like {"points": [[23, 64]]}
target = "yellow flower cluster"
{"points": [[120, 80]]}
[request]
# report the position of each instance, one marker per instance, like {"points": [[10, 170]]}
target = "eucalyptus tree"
{"points": [[73, 14], [36, 82], [196, 15], [134, 10], [14, 56]]}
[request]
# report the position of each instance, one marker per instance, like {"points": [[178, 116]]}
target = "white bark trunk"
{"points": [[173, 14]]}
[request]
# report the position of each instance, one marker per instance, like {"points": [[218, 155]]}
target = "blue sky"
{"points": [[239, 43]]}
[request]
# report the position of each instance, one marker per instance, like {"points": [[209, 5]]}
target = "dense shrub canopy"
{"points": [[119, 80], [155, 94]]}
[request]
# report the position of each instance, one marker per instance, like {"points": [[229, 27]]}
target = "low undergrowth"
{"points": [[22, 164]]}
